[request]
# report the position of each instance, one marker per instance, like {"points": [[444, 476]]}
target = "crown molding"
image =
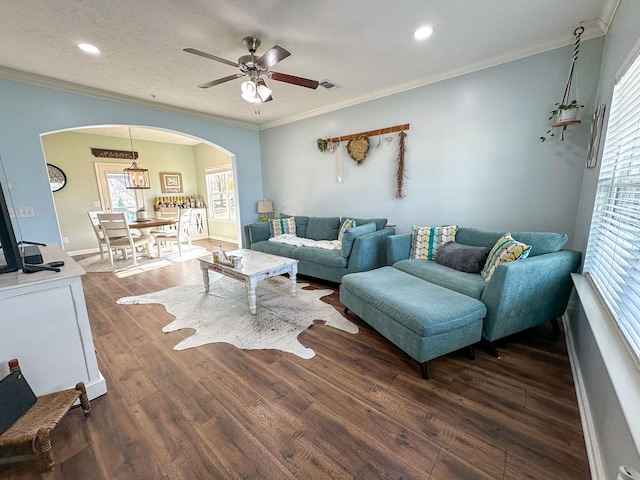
{"points": [[594, 29], [46, 82]]}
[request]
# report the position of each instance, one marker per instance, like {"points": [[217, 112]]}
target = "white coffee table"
{"points": [[256, 266]]}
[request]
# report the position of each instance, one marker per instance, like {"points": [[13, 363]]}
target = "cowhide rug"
{"points": [[222, 315]]}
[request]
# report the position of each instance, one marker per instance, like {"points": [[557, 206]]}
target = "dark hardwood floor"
{"points": [[359, 409]]}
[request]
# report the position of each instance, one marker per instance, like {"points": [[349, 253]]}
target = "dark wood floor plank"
{"points": [[238, 450], [451, 467], [178, 446]]}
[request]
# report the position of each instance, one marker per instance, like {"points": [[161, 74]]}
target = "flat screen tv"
{"points": [[10, 250]]}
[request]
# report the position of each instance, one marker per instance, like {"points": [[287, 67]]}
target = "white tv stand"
{"points": [[45, 325]]}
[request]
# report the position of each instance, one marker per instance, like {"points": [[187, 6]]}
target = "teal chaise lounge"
{"points": [[519, 294]]}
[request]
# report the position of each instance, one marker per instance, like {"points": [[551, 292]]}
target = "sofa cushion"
{"points": [[506, 249], [465, 258], [346, 224], [380, 222], [470, 284], [280, 249], [351, 234], [259, 232], [425, 241], [323, 228], [282, 226], [540, 242], [329, 258]]}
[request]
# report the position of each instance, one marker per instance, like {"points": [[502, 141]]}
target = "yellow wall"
{"points": [[206, 157], [72, 153]]}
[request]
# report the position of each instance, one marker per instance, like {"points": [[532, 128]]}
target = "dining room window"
{"points": [[115, 197], [221, 198]]}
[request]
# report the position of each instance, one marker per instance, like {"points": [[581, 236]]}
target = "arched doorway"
{"points": [[161, 151]]}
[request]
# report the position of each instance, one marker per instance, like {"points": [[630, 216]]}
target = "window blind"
{"points": [[613, 250]]}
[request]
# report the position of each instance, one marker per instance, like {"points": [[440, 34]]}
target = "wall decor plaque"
{"points": [[358, 148]]}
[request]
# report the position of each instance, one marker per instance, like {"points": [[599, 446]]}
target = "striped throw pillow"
{"points": [[425, 241], [280, 226], [506, 249]]}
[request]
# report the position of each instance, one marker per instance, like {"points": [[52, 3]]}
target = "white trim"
{"points": [[224, 239], [46, 82], [586, 418], [621, 367], [631, 57]]}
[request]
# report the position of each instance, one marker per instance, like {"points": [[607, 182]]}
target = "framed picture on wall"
{"points": [[596, 134], [171, 182]]}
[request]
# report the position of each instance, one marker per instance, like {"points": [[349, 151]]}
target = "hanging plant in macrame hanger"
{"points": [[567, 112]]}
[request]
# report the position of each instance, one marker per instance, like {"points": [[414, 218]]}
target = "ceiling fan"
{"points": [[255, 90]]}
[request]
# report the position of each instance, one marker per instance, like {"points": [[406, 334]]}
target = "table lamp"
{"points": [[265, 207]]}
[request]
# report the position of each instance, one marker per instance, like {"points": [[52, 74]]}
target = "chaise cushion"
{"points": [[470, 284], [423, 308]]}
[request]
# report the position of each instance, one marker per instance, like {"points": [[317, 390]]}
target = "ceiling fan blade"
{"points": [[220, 80], [272, 57], [303, 82], [210, 57]]}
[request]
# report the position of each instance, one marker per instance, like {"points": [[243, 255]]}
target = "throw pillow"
{"points": [[281, 226], [348, 223], [425, 241], [464, 258], [506, 249]]}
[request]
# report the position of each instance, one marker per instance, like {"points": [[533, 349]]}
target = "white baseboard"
{"points": [[588, 429], [224, 239]]}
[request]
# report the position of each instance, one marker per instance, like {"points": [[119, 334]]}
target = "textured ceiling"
{"points": [[366, 47]]}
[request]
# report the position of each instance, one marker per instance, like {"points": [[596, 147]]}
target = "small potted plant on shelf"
{"points": [[561, 116], [141, 214]]}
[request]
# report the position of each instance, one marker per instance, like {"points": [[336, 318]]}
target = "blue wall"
{"points": [[474, 157], [26, 111]]}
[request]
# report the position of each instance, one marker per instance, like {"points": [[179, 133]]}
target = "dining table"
{"points": [[146, 225]]}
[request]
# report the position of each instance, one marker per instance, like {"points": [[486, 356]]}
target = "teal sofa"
{"points": [[519, 295], [364, 247]]}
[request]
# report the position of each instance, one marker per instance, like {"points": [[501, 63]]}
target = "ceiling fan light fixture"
{"points": [[264, 92], [423, 32], [254, 92], [250, 92]]}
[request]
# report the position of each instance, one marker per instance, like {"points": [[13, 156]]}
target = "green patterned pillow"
{"points": [[280, 226], [426, 240], [506, 249], [348, 223]]}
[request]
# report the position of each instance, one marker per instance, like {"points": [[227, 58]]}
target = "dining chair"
{"points": [[95, 223], [181, 234], [164, 213], [118, 236]]}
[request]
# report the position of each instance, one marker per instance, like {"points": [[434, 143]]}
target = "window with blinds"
{"points": [[613, 251], [221, 198]]}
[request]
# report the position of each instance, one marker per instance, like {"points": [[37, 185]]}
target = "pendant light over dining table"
{"points": [[135, 177]]}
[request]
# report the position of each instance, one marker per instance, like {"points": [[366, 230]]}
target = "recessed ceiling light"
{"points": [[89, 48], [423, 33]]}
